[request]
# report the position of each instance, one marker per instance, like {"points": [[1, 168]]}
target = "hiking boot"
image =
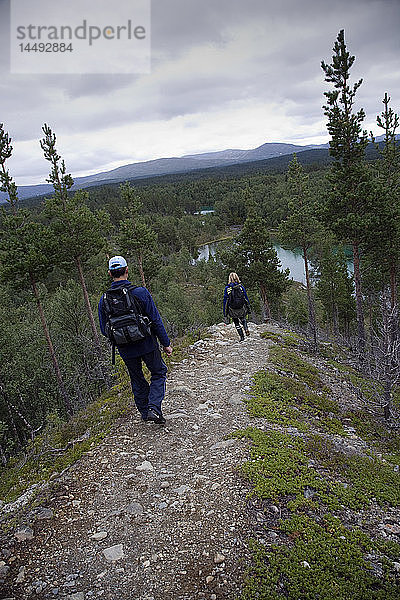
{"points": [[156, 417], [247, 332], [240, 332]]}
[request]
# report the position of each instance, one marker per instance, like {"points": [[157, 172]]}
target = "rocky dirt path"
{"points": [[153, 513]]}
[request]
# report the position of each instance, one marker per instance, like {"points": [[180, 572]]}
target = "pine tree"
{"points": [[80, 232], [7, 184], [253, 256], [384, 254], [334, 287], [386, 241], [138, 241], [348, 203], [302, 228], [26, 251]]}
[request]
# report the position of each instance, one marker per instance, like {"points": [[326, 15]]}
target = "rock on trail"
{"points": [[153, 513]]}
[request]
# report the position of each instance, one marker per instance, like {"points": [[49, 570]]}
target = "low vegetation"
{"points": [[323, 481]]}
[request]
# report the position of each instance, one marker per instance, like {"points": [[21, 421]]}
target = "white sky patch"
{"points": [[244, 124]]}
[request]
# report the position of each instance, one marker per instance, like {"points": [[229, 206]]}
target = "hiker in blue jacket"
{"points": [[148, 398], [236, 304]]}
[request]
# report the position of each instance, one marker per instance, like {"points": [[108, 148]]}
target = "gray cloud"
{"points": [[209, 59]]}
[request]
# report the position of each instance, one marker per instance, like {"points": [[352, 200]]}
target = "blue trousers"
{"points": [[147, 396]]}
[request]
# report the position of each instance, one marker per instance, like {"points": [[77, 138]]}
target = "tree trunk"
{"points": [[88, 306], [106, 378], [335, 319], [267, 310], [11, 417], [389, 362], [393, 284], [3, 456], [140, 264], [359, 301], [311, 310], [61, 387]]}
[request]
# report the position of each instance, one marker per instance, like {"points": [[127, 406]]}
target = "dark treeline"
{"points": [[53, 254]]}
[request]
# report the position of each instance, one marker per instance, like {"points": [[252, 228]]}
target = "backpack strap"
{"points": [[106, 303], [132, 302], [131, 298]]}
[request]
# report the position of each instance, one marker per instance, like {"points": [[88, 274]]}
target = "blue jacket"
{"points": [[149, 309], [231, 285]]}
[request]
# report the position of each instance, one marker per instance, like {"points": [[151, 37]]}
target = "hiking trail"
{"points": [[152, 512]]}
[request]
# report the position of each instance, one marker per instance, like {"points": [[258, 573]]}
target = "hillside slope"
{"points": [[173, 165], [158, 513]]}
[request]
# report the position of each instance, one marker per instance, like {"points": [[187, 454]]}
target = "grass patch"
{"points": [[368, 476], [286, 401], [325, 561], [308, 474], [292, 362], [287, 338], [369, 389], [271, 335], [375, 431], [279, 471], [96, 419], [278, 467], [331, 351]]}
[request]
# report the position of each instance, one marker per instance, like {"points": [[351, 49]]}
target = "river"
{"points": [[290, 259]]}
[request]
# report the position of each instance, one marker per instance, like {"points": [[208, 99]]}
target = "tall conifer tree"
{"points": [[302, 228], [7, 184], [348, 202], [137, 239], [27, 249], [386, 242], [253, 256], [80, 232]]}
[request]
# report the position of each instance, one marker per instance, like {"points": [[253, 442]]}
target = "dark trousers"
{"points": [[147, 396], [238, 321]]}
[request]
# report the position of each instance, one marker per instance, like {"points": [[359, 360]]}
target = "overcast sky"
{"points": [[225, 74]]}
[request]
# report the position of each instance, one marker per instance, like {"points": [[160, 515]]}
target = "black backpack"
{"points": [[237, 299], [125, 322]]}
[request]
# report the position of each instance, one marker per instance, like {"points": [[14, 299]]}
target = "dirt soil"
{"points": [[154, 512]]}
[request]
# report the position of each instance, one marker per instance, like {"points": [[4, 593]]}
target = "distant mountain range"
{"points": [[187, 164], [166, 166]]}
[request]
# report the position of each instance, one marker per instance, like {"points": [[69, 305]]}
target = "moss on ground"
{"points": [[323, 561], [286, 401], [96, 420], [287, 338], [292, 362], [279, 471], [271, 335], [308, 474], [367, 387]]}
